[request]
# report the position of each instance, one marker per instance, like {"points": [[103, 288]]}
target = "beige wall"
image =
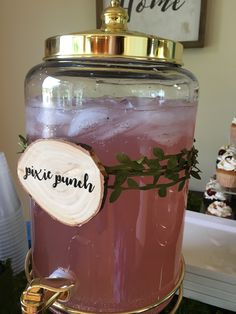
{"points": [[215, 67], [25, 24]]}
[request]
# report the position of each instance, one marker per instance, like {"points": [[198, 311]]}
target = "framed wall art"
{"points": [[181, 20]]}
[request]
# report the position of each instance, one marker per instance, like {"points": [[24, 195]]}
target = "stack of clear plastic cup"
{"points": [[13, 242]]}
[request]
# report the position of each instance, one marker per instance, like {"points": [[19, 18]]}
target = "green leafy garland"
{"points": [[161, 165], [167, 166]]}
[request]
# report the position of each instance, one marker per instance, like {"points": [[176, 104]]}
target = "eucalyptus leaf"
{"points": [[184, 151], [132, 183], [181, 185], [172, 176], [153, 164], [123, 158], [172, 162], [162, 192], [156, 178], [120, 178], [115, 194], [135, 165], [23, 140], [182, 162], [23, 143], [195, 175], [159, 153], [189, 162], [141, 160]]}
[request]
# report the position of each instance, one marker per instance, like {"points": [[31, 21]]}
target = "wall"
{"points": [[215, 66], [25, 24]]}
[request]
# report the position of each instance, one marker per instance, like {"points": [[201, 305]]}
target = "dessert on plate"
{"points": [[220, 209], [226, 166], [213, 193]]}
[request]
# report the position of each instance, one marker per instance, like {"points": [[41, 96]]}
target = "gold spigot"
{"points": [[40, 294], [114, 18]]}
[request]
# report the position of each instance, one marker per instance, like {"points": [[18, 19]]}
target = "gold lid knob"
{"points": [[114, 18]]}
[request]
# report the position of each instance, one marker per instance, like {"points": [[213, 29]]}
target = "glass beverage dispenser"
{"points": [[123, 99]]}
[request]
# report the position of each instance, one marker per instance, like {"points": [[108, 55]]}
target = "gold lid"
{"points": [[113, 40]]}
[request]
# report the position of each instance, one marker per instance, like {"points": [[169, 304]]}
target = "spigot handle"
{"points": [[40, 294]]}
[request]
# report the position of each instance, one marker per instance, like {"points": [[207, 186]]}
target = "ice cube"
{"points": [[87, 119], [51, 117], [122, 121], [46, 122]]}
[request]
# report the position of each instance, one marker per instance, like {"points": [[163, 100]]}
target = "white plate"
{"points": [[210, 244], [209, 249]]}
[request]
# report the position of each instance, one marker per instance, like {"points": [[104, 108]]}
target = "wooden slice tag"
{"points": [[65, 179]]}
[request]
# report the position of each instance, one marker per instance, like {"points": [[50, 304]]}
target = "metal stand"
{"points": [[39, 295]]}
